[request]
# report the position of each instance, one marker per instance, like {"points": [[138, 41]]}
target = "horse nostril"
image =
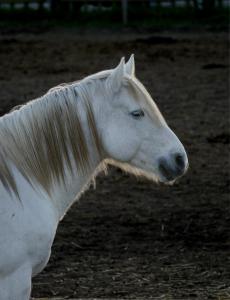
{"points": [[179, 159], [165, 169]]}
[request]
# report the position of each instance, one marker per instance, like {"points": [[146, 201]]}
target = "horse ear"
{"points": [[115, 78], [130, 66]]}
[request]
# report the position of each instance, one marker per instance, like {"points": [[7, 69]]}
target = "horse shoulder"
{"points": [[27, 228]]}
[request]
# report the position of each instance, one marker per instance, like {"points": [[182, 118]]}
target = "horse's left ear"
{"points": [[130, 66], [115, 78]]}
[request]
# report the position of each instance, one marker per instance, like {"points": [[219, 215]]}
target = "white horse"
{"points": [[51, 149]]}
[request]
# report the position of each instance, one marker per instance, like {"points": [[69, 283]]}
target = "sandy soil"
{"points": [[132, 239]]}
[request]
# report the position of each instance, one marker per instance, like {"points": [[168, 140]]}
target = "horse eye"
{"points": [[137, 113]]}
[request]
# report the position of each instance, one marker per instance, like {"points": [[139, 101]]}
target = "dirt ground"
{"points": [[132, 239]]}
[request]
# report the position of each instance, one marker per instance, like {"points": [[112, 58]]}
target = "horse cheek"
{"points": [[120, 144]]}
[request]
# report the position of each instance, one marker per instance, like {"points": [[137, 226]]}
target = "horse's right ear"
{"points": [[115, 78], [130, 66]]}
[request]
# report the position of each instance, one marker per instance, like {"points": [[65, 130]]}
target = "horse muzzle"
{"points": [[172, 167]]}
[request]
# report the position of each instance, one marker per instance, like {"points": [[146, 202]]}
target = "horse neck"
{"points": [[84, 154], [63, 196]]}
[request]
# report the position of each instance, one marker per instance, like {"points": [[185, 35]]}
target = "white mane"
{"points": [[40, 136]]}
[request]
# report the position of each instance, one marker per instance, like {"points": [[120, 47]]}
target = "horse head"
{"points": [[134, 134]]}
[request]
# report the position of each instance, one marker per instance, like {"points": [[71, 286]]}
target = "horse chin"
{"points": [[167, 182], [134, 170]]}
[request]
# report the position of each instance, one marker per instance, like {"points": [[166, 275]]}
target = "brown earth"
{"points": [[132, 239]]}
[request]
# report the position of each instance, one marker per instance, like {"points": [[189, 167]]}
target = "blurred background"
{"points": [[158, 13], [129, 238]]}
